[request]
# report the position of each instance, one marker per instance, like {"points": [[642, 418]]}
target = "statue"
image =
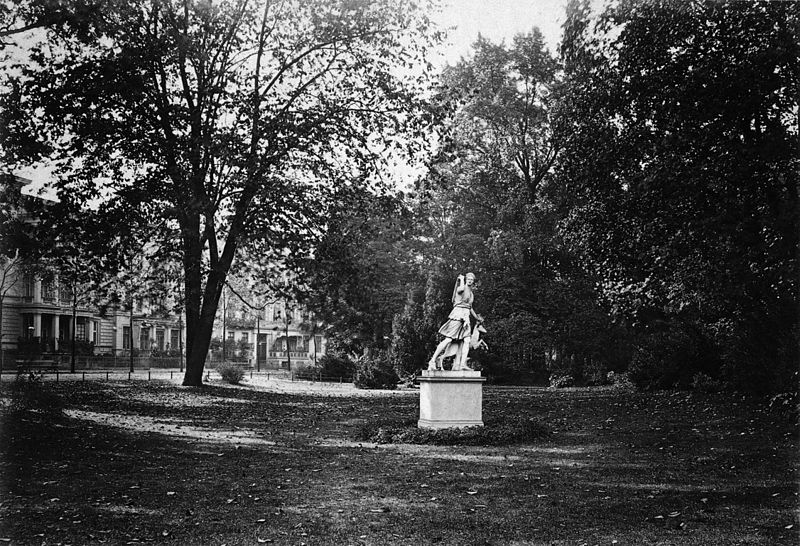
{"points": [[459, 336]]}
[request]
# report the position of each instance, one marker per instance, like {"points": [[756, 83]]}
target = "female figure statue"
{"points": [[457, 331]]}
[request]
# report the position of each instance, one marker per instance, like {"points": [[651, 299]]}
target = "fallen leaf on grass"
{"points": [[472, 492], [264, 540], [789, 526]]}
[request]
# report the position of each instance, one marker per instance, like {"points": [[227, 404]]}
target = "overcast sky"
{"points": [[498, 20]]}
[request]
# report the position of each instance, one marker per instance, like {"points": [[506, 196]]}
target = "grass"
{"points": [[130, 463]]}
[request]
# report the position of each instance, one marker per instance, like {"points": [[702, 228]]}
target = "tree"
{"points": [[484, 209], [360, 270], [678, 181], [13, 234], [237, 121]]}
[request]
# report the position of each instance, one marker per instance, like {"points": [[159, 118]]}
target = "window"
{"points": [[126, 337], [276, 313], [65, 293], [94, 331], [231, 336], [160, 339], [245, 337], [144, 339], [48, 291], [174, 339], [27, 326], [28, 284], [80, 330]]}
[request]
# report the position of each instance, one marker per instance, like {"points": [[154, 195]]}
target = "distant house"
{"points": [[37, 319], [282, 336]]}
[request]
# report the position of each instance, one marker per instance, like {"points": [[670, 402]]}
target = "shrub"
{"points": [[670, 358], [596, 373], [308, 373], [374, 370], [231, 373], [336, 365], [561, 381], [495, 433], [704, 383], [620, 381]]}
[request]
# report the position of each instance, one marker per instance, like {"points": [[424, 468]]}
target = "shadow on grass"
{"points": [[174, 465]]}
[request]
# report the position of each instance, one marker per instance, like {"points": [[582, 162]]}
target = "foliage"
{"points": [[677, 181], [670, 358], [234, 350], [356, 280], [704, 383], [561, 381], [374, 370], [230, 372], [235, 125], [336, 365], [482, 208], [621, 381], [497, 433], [414, 329]]}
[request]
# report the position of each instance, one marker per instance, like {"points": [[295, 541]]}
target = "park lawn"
{"points": [[139, 462]]}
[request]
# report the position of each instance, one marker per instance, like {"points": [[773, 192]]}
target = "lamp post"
{"points": [[258, 337], [286, 322], [130, 333]]}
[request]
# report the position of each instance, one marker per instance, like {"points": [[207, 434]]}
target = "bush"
{"points": [[671, 358], [495, 433], [620, 381], [307, 373], [374, 370], [704, 383], [596, 373], [337, 366], [561, 381], [231, 373]]}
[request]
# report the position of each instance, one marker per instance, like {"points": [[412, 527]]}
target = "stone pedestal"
{"points": [[449, 399]]}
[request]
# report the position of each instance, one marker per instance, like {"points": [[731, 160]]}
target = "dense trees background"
{"points": [[678, 184], [628, 203]]}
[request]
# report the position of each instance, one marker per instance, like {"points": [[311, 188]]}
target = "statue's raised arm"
{"points": [[457, 330]]}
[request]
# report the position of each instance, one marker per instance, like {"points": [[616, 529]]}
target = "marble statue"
{"points": [[459, 336]]}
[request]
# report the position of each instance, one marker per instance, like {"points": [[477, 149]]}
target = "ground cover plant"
{"points": [[136, 462]]}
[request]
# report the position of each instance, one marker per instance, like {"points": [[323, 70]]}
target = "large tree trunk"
{"points": [[204, 327]]}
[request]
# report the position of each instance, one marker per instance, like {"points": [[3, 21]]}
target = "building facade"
{"points": [[282, 336], [41, 316]]}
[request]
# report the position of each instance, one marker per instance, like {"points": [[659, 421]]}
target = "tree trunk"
{"points": [[203, 328]]}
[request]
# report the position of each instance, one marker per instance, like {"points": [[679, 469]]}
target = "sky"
{"points": [[497, 20]]}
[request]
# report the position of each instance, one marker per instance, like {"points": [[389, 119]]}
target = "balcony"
{"points": [[292, 354]]}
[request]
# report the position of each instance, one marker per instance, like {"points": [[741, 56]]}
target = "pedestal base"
{"points": [[449, 399]]}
